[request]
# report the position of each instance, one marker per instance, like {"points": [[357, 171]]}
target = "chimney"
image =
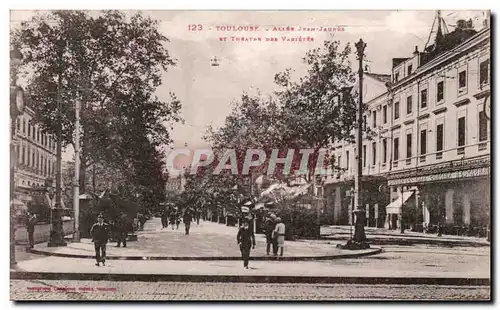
{"points": [[416, 52]]}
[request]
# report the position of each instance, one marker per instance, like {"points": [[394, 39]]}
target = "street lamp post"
{"points": [[16, 109], [359, 230]]}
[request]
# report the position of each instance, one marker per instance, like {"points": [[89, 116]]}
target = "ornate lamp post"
{"points": [[359, 239], [360, 213], [16, 109]]}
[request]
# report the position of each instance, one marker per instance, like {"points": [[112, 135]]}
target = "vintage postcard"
{"points": [[250, 155]]}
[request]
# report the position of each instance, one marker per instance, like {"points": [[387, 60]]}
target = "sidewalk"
{"points": [[386, 236], [208, 241], [367, 271]]}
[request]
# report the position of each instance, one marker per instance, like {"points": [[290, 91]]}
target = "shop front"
{"points": [[454, 195]]}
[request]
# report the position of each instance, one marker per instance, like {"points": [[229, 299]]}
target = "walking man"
{"points": [[270, 241], [279, 233], [187, 219], [164, 219], [245, 239], [198, 215], [121, 232], [100, 234], [30, 227]]}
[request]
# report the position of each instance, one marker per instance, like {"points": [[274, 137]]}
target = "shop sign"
{"points": [[442, 176]]}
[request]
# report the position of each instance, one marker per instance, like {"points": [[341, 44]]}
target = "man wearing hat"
{"points": [[279, 234], [270, 241], [245, 239], [100, 234]]}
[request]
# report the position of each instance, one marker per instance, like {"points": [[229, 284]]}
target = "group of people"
{"points": [[173, 216], [275, 236]]}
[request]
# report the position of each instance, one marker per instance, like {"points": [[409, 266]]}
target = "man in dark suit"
{"points": [[30, 227], [187, 219], [270, 240], [121, 231], [245, 239], [100, 233]]}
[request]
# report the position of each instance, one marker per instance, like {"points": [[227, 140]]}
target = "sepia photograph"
{"points": [[257, 155]]}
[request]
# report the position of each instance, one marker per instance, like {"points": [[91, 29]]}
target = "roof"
{"points": [[384, 78]]}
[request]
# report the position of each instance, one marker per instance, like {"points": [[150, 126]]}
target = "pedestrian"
{"points": [[279, 234], [30, 227], [269, 228], [245, 239], [174, 218], [121, 232], [187, 218], [198, 215], [164, 219], [100, 234]]}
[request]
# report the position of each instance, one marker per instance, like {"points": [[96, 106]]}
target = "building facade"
{"points": [[35, 162], [429, 153]]}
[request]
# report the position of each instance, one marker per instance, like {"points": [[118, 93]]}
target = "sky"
{"points": [[207, 92]]}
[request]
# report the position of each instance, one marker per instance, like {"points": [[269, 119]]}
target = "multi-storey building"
{"points": [[35, 157], [429, 158]]}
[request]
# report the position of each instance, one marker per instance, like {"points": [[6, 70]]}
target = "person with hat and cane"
{"points": [[245, 239], [100, 233]]}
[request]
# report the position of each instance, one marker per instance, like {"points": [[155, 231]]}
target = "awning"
{"points": [[259, 206], [395, 206]]}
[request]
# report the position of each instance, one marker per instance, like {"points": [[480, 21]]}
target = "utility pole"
{"points": [[76, 181], [359, 229]]}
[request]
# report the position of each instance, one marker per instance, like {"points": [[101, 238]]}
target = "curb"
{"points": [[21, 275], [215, 258], [410, 241]]}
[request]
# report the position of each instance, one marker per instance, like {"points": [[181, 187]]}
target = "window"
{"points": [[484, 72], [483, 127], [423, 143], [439, 141], [396, 149], [18, 124], [384, 151], [374, 119], [440, 91], [364, 155], [29, 129], [339, 161], [33, 159], [22, 155], [396, 77], [410, 69], [24, 126], [374, 153], [423, 99], [17, 151], [409, 105], [38, 136], [461, 131], [396, 110], [462, 81], [384, 114], [364, 122], [408, 147], [347, 159]]}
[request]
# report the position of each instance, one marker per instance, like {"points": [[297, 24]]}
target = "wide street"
{"points": [[106, 290], [212, 239]]}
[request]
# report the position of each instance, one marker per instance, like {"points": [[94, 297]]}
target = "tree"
{"points": [[113, 63]]}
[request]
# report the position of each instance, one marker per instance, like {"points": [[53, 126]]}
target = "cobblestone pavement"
{"points": [[105, 290]]}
